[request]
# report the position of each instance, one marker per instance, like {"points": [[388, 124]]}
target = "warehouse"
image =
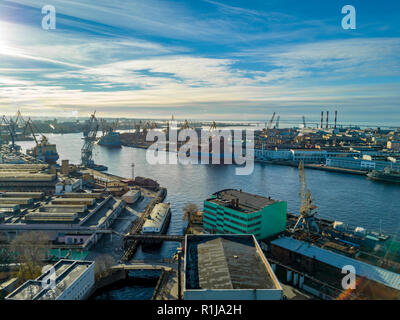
{"points": [[373, 282], [217, 267]]}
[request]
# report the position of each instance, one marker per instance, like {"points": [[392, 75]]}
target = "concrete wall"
{"points": [[233, 294]]}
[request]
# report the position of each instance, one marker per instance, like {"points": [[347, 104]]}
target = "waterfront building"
{"points": [[72, 220], [373, 282], [227, 267], [238, 212], [360, 164], [66, 280]]}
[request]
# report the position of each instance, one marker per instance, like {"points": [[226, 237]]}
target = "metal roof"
{"points": [[363, 269], [226, 262], [248, 202]]}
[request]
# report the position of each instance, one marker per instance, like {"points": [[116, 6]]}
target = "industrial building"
{"points": [[372, 282], [238, 212], [66, 280], [360, 164], [227, 267], [72, 219]]}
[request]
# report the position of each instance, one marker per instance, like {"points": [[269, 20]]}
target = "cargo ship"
{"points": [[388, 175], [44, 151], [111, 140], [342, 232], [156, 224]]}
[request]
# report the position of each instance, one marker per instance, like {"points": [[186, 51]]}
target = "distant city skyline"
{"points": [[209, 60]]}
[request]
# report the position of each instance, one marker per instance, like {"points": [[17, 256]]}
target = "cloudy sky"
{"points": [[201, 59]]}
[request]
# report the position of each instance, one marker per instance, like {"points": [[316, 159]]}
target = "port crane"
{"points": [[271, 121], [277, 122], [89, 140], [12, 128], [307, 208]]}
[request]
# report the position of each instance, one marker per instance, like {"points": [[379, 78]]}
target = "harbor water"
{"points": [[344, 197]]}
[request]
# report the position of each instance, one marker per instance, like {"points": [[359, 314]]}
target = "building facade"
{"points": [[237, 212]]}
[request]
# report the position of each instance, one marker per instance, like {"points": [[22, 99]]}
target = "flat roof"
{"points": [[363, 269], [226, 262], [247, 202], [67, 271]]}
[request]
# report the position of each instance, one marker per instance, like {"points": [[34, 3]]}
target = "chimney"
{"points": [[335, 118], [65, 167], [327, 119], [322, 118]]}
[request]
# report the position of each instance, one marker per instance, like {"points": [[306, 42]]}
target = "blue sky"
{"points": [[205, 59]]}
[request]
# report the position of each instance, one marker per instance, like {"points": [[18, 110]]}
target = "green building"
{"points": [[238, 212]]}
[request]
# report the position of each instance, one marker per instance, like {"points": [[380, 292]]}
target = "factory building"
{"points": [[227, 267], [71, 219], [66, 280], [27, 177], [360, 164], [394, 145], [372, 282], [237, 212], [297, 155]]}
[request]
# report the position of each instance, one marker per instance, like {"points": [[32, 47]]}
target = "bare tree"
{"points": [[189, 210], [6, 258], [31, 249], [102, 266]]}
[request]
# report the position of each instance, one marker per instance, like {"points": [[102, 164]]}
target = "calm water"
{"points": [[349, 198]]}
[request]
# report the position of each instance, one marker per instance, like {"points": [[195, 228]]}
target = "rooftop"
{"points": [[224, 261], [369, 271], [247, 202], [66, 272]]}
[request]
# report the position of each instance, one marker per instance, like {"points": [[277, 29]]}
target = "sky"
{"points": [[201, 59]]}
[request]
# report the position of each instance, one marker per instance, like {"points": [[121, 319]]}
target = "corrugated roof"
{"points": [[363, 269]]}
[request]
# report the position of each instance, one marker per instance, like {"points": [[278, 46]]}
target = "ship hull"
{"points": [[111, 140], [384, 177]]}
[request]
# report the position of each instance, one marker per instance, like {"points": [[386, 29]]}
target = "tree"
{"points": [[6, 258], [189, 210], [31, 249], [102, 265]]}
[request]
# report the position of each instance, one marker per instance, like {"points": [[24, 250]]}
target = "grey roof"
{"points": [[226, 262], [66, 272], [363, 269]]}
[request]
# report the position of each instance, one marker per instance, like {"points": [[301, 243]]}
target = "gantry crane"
{"points": [[307, 208], [89, 140]]}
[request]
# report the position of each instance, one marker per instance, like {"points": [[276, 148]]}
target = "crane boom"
{"points": [[87, 148]]}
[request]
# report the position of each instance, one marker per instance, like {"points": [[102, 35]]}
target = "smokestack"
{"points": [[322, 118], [335, 118], [65, 167], [327, 119]]}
